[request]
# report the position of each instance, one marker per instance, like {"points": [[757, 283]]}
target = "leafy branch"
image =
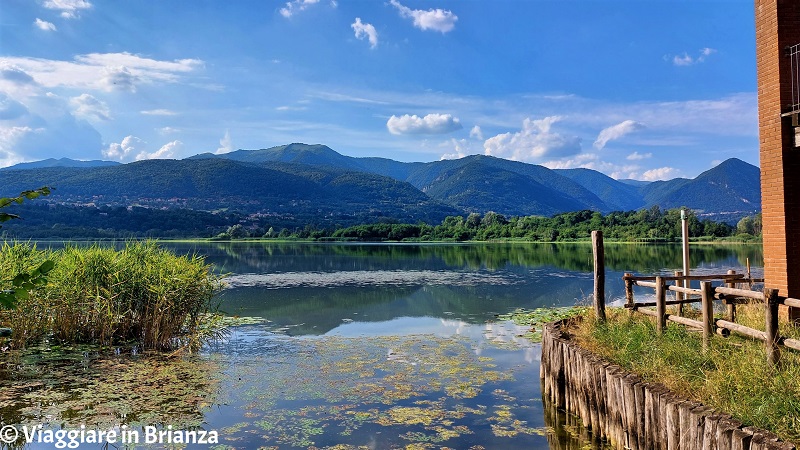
{"points": [[24, 282]]}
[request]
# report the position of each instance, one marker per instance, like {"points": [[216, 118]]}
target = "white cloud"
{"points": [[119, 79], [433, 19], [535, 141], [636, 156], [662, 173], [430, 124], [476, 133], [101, 71], [365, 30], [167, 130], [11, 109], [166, 151], [87, 107], [296, 6], [290, 108], [130, 145], [9, 138], [688, 60], [44, 25], [14, 74], [70, 9], [460, 148], [225, 144], [616, 131], [158, 112]]}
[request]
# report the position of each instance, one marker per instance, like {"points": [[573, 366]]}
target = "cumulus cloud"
{"points": [[476, 133], [87, 106], [688, 60], [661, 173], [99, 71], [166, 151], [616, 132], [70, 9], [44, 25], [636, 156], [433, 19], [534, 142], [295, 6], [225, 144], [430, 124], [365, 30], [130, 145]]}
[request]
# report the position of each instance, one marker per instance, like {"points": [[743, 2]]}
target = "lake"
{"points": [[350, 346]]}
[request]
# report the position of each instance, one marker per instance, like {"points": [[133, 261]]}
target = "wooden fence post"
{"points": [[679, 295], [731, 306], [599, 276], [771, 303], [628, 292], [707, 305], [661, 305]]}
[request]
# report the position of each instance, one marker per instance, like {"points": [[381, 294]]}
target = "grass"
{"points": [[140, 294], [733, 376]]}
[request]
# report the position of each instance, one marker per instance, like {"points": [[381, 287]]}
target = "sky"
{"points": [[639, 89]]}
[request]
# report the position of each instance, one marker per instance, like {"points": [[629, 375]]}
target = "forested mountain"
{"points": [[297, 185], [61, 162]]}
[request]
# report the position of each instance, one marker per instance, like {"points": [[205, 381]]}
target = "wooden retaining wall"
{"points": [[633, 414]]}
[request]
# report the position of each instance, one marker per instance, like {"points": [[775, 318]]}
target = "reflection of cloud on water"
{"points": [[369, 278], [491, 336]]}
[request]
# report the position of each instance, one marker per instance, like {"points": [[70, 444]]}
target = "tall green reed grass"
{"points": [[139, 294]]}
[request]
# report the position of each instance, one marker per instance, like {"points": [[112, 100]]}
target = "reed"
{"points": [[139, 294]]}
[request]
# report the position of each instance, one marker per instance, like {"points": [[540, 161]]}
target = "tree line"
{"points": [[648, 225]]}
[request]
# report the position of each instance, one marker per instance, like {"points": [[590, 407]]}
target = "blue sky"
{"points": [[647, 89]]}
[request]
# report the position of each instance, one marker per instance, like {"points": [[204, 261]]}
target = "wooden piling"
{"points": [[599, 276], [707, 306], [679, 295], [661, 305], [731, 306], [628, 292], [771, 300]]}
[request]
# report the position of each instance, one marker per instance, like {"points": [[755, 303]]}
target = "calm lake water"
{"points": [[355, 346]]}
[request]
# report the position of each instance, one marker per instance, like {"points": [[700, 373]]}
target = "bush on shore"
{"points": [[139, 294]]}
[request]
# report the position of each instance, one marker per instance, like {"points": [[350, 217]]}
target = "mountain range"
{"points": [[313, 184]]}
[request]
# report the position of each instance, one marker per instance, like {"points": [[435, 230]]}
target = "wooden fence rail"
{"points": [[706, 295]]}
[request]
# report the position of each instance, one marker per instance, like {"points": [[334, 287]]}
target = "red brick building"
{"points": [[778, 65]]}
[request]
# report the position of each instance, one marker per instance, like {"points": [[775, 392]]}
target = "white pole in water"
{"points": [[685, 238]]}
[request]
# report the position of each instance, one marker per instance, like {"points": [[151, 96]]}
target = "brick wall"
{"points": [[777, 27]]}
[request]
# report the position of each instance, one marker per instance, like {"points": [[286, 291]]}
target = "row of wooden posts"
{"points": [[727, 293]]}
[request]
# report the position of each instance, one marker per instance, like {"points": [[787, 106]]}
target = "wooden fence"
{"points": [[727, 293]]}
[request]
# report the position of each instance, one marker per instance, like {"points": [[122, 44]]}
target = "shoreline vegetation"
{"points": [[140, 295], [733, 377], [652, 225]]}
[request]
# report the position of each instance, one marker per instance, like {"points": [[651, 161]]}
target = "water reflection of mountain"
{"points": [[261, 257]]}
